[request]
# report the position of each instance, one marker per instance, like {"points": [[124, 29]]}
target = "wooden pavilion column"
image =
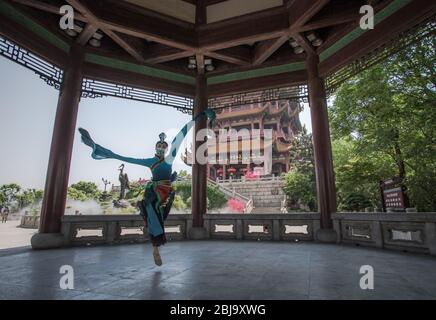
{"points": [[55, 193], [325, 179], [199, 171]]}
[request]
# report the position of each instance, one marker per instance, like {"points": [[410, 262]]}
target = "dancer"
{"points": [[159, 193]]}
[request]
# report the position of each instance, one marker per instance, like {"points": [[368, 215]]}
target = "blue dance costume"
{"points": [[158, 194]]}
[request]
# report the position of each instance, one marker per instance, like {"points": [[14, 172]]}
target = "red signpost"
{"points": [[393, 194]]}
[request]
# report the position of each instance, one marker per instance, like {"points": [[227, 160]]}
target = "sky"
{"points": [[130, 128]]}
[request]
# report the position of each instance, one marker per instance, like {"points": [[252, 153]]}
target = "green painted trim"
{"points": [[136, 68], [10, 12], [356, 33], [244, 75]]}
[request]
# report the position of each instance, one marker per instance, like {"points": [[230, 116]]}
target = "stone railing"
{"points": [[244, 180], [31, 222], [249, 206], [414, 232], [284, 205], [110, 229]]}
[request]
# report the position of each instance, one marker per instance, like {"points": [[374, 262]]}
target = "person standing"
{"points": [[5, 215]]}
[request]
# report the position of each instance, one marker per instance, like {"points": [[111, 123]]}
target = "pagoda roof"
{"points": [[283, 146], [241, 113]]}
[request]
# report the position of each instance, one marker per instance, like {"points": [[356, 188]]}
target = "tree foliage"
{"points": [[83, 191], [216, 199], [16, 198], [136, 190], [383, 124], [299, 189], [300, 181]]}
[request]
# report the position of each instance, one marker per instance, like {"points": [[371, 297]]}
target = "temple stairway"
{"points": [[267, 195]]}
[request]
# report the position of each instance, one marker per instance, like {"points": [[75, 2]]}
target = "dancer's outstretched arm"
{"points": [[177, 141], [99, 152]]}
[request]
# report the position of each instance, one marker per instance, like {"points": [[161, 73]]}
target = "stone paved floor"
{"points": [[13, 237], [217, 270]]}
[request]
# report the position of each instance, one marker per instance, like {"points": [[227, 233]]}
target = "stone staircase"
{"points": [[267, 195], [232, 193]]}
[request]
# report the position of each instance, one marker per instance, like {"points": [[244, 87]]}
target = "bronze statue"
{"points": [[124, 182]]}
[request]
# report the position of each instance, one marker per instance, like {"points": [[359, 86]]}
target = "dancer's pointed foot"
{"points": [[156, 256]]}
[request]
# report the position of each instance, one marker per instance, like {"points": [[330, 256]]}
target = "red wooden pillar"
{"points": [[55, 193], [199, 171], [321, 143]]}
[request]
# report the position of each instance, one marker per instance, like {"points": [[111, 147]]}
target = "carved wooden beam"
{"points": [[94, 20], [86, 34]]}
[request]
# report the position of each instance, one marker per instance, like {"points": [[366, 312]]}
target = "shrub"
{"points": [[178, 203], [299, 189], [216, 198], [236, 206], [356, 201]]}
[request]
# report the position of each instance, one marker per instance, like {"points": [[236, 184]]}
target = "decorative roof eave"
{"points": [[283, 147], [403, 14], [287, 79], [241, 113], [399, 14]]}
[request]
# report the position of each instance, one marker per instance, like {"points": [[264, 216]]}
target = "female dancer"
{"points": [[159, 194]]}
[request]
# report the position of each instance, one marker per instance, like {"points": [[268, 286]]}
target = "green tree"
{"points": [[356, 201], [183, 174], [75, 194], [25, 198], [135, 190], [215, 198], [356, 172], [178, 203], [16, 198], [301, 155], [388, 116], [10, 195], [300, 181], [2, 199], [299, 189], [84, 191]]}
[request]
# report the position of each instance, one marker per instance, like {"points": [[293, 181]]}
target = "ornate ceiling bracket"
{"points": [[51, 74], [97, 89]]}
